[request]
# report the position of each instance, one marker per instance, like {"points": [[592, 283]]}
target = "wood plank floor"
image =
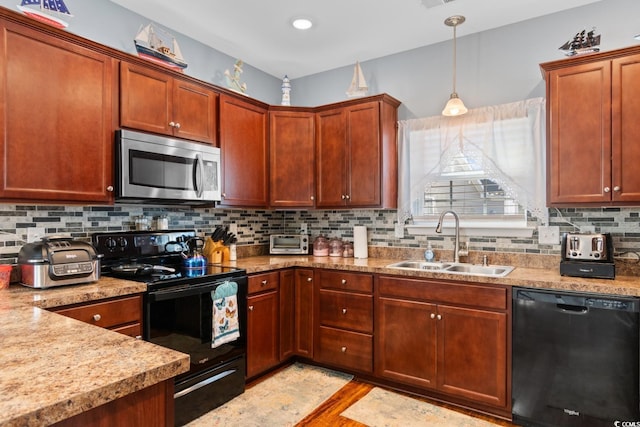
{"points": [[328, 414]]}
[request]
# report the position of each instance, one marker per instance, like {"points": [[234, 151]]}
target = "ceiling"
{"points": [[345, 31]]}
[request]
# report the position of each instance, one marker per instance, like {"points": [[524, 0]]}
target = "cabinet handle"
{"points": [[309, 279], [177, 125], [96, 317], [347, 197], [433, 316], [344, 197], [109, 188], [343, 349], [250, 308], [439, 317], [616, 188], [344, 311], [312, 198], [224, 195], [264, 283], [139, 337], [344, 281], [172, 124], [607, 189]]}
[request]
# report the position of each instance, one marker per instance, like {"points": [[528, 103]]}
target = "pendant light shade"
{"points": [[455, 106]]}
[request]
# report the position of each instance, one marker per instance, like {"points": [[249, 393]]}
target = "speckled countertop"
{"points": [[53, 367]]}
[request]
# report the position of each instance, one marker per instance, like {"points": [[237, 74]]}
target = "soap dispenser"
{"points": [[428, 254]]}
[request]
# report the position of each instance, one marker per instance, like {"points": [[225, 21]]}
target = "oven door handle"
{"points": [[162, 295], [204, 383]]}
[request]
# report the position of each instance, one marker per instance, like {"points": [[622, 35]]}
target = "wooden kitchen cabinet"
{"points": [[356, 153], [156, 101], [58, 101], [452, 338], [244, 150], [292, 158], [303, 342], [287, 313], [121, 314], [592, 129], [262, 323], [344, 329]]}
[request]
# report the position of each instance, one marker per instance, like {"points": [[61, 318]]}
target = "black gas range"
{"points": [[199, 311]]}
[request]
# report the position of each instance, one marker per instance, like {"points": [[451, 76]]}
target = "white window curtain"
{"points": [[508, 141]]}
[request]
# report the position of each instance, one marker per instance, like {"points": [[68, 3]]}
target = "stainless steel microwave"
{"points": [[159, 169]]}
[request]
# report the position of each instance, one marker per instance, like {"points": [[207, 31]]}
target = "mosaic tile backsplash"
{"points": [[18, 222]]}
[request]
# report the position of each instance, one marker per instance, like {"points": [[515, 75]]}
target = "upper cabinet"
{"points": [[244, 151], [57, 115], [356, 154], [592, 129], [291, 160], [156, 101]]}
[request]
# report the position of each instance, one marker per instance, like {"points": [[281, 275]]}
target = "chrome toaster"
{"points": [[587, 255]]}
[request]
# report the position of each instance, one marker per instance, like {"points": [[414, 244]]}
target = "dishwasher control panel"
{"points": [[611, 304]]}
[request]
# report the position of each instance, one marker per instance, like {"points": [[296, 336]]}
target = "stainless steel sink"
{"points": [[454, 268]]}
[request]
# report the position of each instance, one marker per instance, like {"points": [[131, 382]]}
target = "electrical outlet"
{"points": [[549, 235], [34, 234], [399, 231], [304, 228]]}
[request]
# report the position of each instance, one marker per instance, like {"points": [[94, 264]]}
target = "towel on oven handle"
{"points": [[226, 327]]}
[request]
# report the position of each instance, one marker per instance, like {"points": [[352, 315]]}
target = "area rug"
{"points": [[382, 408], [281, 400]]}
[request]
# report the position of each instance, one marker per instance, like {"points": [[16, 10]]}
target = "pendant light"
{"points": [[455, 106]]}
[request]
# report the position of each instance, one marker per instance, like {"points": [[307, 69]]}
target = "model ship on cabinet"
{"points": [[159, 46], [358, 86], [50, 12], [582, 42]]}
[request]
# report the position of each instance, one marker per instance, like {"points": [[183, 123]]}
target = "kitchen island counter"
{"points": [[55, 367]]}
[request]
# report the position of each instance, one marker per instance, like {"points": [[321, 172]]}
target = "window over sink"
{"points": [[488, 166]]}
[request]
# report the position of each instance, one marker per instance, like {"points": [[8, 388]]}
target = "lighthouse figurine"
{"points": [[286, 91]]}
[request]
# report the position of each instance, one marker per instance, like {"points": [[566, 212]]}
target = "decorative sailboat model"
{"points": [[159, 46], [582, 43], [358, 86], [50, 12]]}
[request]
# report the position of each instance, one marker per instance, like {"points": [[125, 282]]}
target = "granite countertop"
{"points": [[53, 367]]}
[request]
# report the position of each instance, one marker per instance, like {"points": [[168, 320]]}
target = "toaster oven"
{"points": [[289, 244]]}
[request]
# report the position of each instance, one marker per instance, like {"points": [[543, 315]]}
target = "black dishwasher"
{"points": [[575, 359]]}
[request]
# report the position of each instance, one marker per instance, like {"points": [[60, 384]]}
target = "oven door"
{"points": [[152, 167], [182, 319]]}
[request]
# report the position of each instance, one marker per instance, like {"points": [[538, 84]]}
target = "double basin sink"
{"points": [[454, 268]]}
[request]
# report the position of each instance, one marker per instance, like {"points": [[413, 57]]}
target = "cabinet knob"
{"points": [[344, 311], [616, 188], [433, 315], [139, 337], [344, 197], [264, 283], [96, 317], [347, 197], [607, 189], [309, 279], [177, 125], [224, 195], [439, 317], [343, 281], [343, 349], [312, 198], [250, 308], [109, 188], [172, 124]]}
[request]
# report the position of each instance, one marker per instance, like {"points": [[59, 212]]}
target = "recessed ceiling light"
{"points": [[302, 23]]}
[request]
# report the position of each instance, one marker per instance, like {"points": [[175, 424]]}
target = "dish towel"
{"points": [[226, 327]]}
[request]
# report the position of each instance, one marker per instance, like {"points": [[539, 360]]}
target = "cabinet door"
{"points": [[364, 158], [195, 112], [331, 143], [287, 313], [291, 147], [472, 354], [57, 104], [579, 134], [243, 146], [146, 99], [625, 111], [262, 333], [406, 342], [304, 313]]}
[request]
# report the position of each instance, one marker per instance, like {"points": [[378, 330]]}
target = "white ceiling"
{"points": [[345, 31]]}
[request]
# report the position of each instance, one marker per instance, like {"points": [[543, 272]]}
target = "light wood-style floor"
{"points": [[328, 414]]}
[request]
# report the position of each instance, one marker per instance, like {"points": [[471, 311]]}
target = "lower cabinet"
{"points": [[345, 320], [121, 314], [448, 337], [262, 323]]}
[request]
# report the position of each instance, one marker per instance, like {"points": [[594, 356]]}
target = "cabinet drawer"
{"points": [[134, 330], [348, 349], [341, 280], [107, 314], [445, 292], [263, 282], [345, 310]]}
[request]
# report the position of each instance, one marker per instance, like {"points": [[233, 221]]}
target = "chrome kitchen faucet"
{"points": [[456, 249]]}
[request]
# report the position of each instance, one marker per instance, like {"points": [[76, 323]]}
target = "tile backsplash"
{"points": [[255, 226]]}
